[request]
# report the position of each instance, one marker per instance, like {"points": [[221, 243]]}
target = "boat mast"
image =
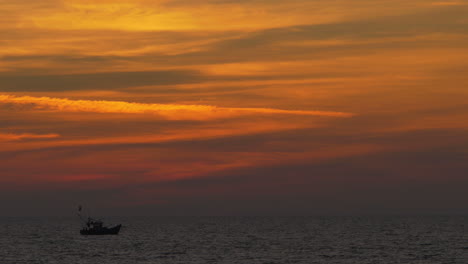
{"points": [[80, 208]]}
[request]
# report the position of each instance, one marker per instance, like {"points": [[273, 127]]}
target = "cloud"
{"points": [[167, 111], [68, 51], [15, 137], [100, 80], [175, 15], [450, 3], [155, 138]]}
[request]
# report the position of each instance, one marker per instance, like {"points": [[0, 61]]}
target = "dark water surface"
{"points": [[239, 240]]}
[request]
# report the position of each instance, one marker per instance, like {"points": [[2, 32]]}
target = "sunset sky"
{"points": [[223, 107]]}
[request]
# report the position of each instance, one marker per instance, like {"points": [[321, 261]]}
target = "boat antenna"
{"points": [[80, 208]]}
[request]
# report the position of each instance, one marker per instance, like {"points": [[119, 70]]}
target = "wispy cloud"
{"points": [[15, 137], [196, 134], [450, 3], [167, 111]]}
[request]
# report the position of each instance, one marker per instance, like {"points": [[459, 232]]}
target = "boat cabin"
{"points": [[93, 224]]}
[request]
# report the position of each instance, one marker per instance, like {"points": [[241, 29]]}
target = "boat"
{"points": [[96, 227]]}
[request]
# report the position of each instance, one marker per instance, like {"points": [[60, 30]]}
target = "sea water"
{"points": [[360, 240]]}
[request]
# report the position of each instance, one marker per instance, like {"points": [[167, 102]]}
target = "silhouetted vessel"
{"points": [[96, 227]]}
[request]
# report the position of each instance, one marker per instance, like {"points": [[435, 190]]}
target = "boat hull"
{"points": [[102, 231]]}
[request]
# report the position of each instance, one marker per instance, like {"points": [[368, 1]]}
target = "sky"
{"points": [[222, 107]]}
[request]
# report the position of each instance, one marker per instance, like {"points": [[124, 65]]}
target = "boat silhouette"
{"points": [[96, 227]]}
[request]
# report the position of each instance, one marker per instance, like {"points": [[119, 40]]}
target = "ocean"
{"points": [[360, 240]]}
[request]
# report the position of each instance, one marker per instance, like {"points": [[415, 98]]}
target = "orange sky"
{"points": [[172, 104]]}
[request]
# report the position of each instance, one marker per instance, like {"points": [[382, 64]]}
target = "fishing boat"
{"points": [[96, 227]]}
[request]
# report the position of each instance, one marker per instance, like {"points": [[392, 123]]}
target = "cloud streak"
{"points": [[166, 111], [16, 137]]}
